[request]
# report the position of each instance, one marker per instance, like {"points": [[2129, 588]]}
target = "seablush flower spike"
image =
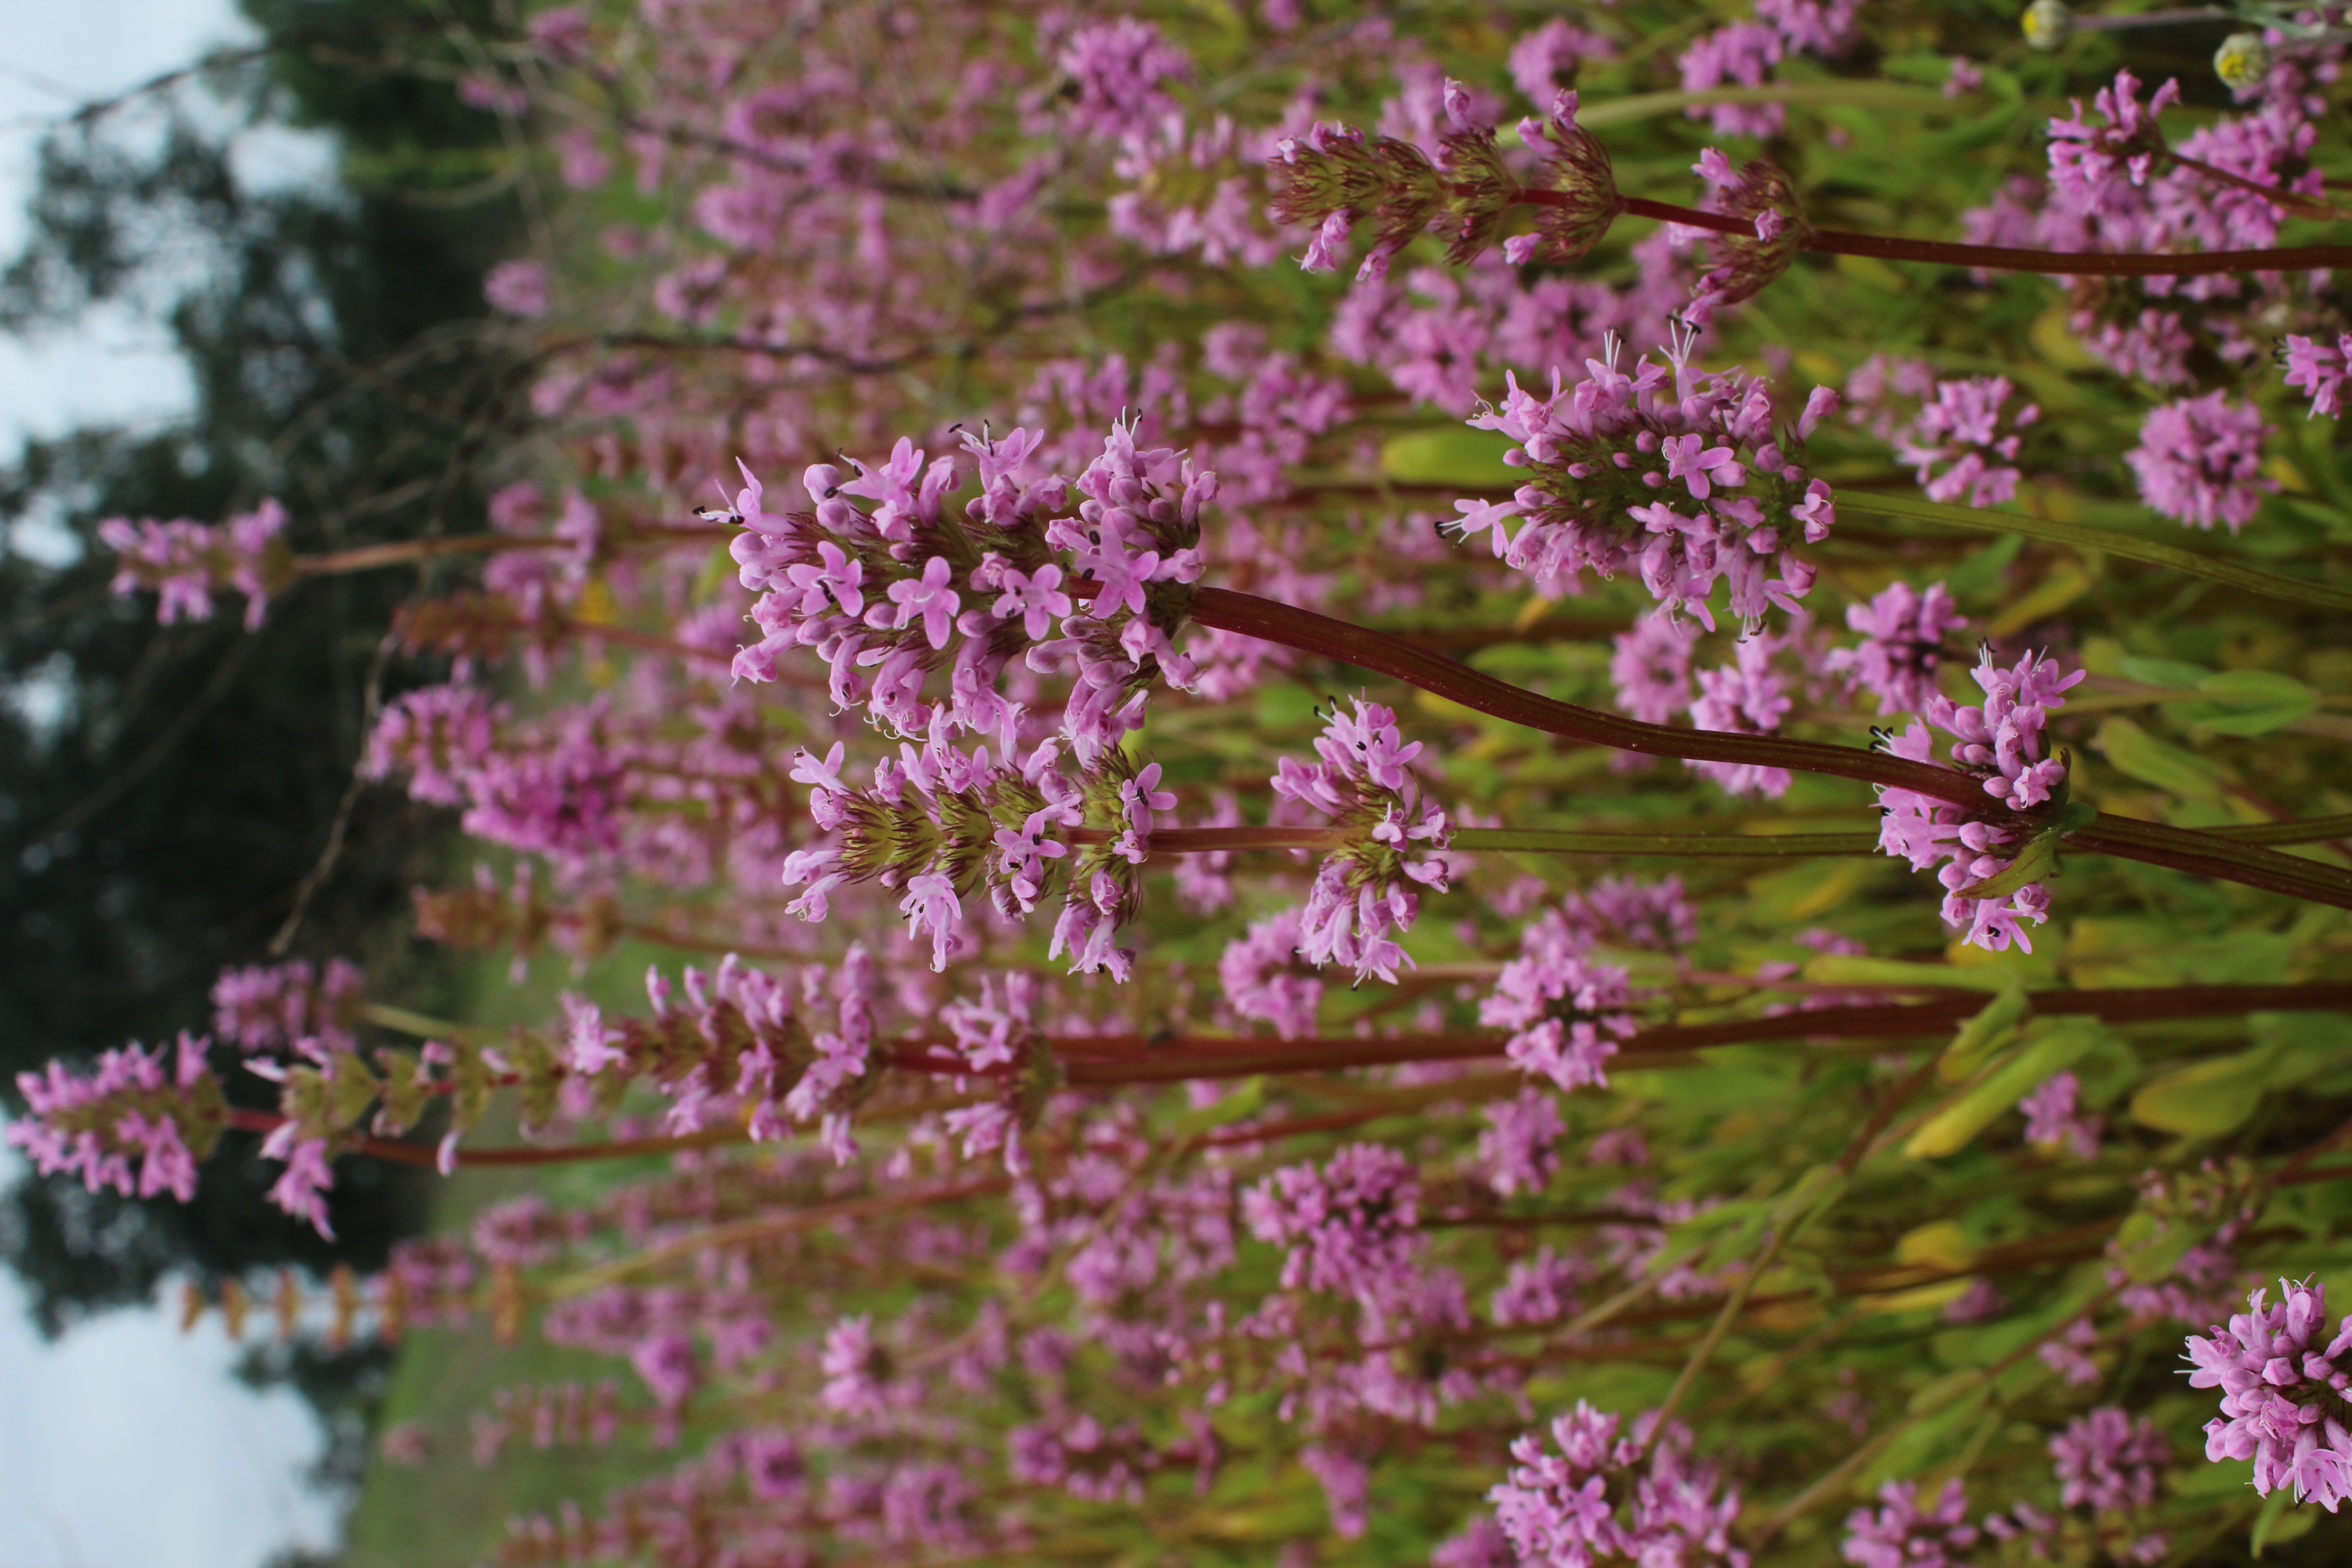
{"points": [[906, 589], [1664, 472], [1993, 867], [1064, 1086]]}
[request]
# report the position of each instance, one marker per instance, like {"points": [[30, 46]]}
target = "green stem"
{"points": [[2074, 534], [400, 1020], [1737, 1302], [1814, 94], [1948, 1395]]}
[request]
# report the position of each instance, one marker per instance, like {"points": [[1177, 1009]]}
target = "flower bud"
{"points": [[2243, 61], [2048, 23]]}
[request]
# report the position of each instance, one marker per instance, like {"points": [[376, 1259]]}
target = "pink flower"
{"points": [[2002, 742], [2054, 1120], [1350, 1225], [1686, 461], [1141, 795], [931, 906], [1566, 1014], [1740, 54], [2107, 1461], [1258, 974], [1117, 71], [2199, 460], [1746, 699], [1034, 599], [1902, 646], [2318, 369], [1651, 667], [929, 600], [1597, 1499], [301, 1189], [833, 583], [2282, 1394], [2083, 159], [1962, 429], [518, 287], [1592, 449], [1901, 1535]]}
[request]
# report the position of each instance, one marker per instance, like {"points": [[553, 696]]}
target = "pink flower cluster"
{"points": [[1743, 54], [1366, 893], [941, 823], [2108, 1462], [2318, 369], [2055, 1118], [2087, 161], [187, 561], [441, 736], [1117, 73], [1899, 1533], [1650, 665], [2118, 186], [2001, 741], [1902, 650], [282, 1006], [1614, 458], [2283, 1398], [1541, 58], [1964, 428], [1566, 1013], [740, 1042], [1350, 1225], [1595, 1501], [1258, 972], [2199, 460], [161, 1108], [1747, 697], [906, 588]]}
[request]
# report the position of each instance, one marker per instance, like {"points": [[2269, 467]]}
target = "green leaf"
{"points": [[1843, 969], [1978, 578], [1810, 1198], [1285, 706], [2105, 952], [2218, 1479], [2129, 546], [2246, 702], [1247, 1100], [2036, 861], [2177, 674], [2050, 1046], [2142, 756], [1455, 455], [2207, 1099], [1993, 1028], [1930, 1437], [2280, 1521]]}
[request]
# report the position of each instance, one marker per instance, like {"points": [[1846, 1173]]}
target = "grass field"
{"points": [[450, 1512]]}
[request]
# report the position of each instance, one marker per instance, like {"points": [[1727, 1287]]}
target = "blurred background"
{"points": [[192, 258]]}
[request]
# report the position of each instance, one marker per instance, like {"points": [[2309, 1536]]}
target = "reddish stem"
{"points": [[1995, 258], [2180, 848], [2293, 201], [1103, 1060]]}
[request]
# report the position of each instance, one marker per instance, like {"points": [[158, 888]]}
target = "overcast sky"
{"points": [[126, 1445]]}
